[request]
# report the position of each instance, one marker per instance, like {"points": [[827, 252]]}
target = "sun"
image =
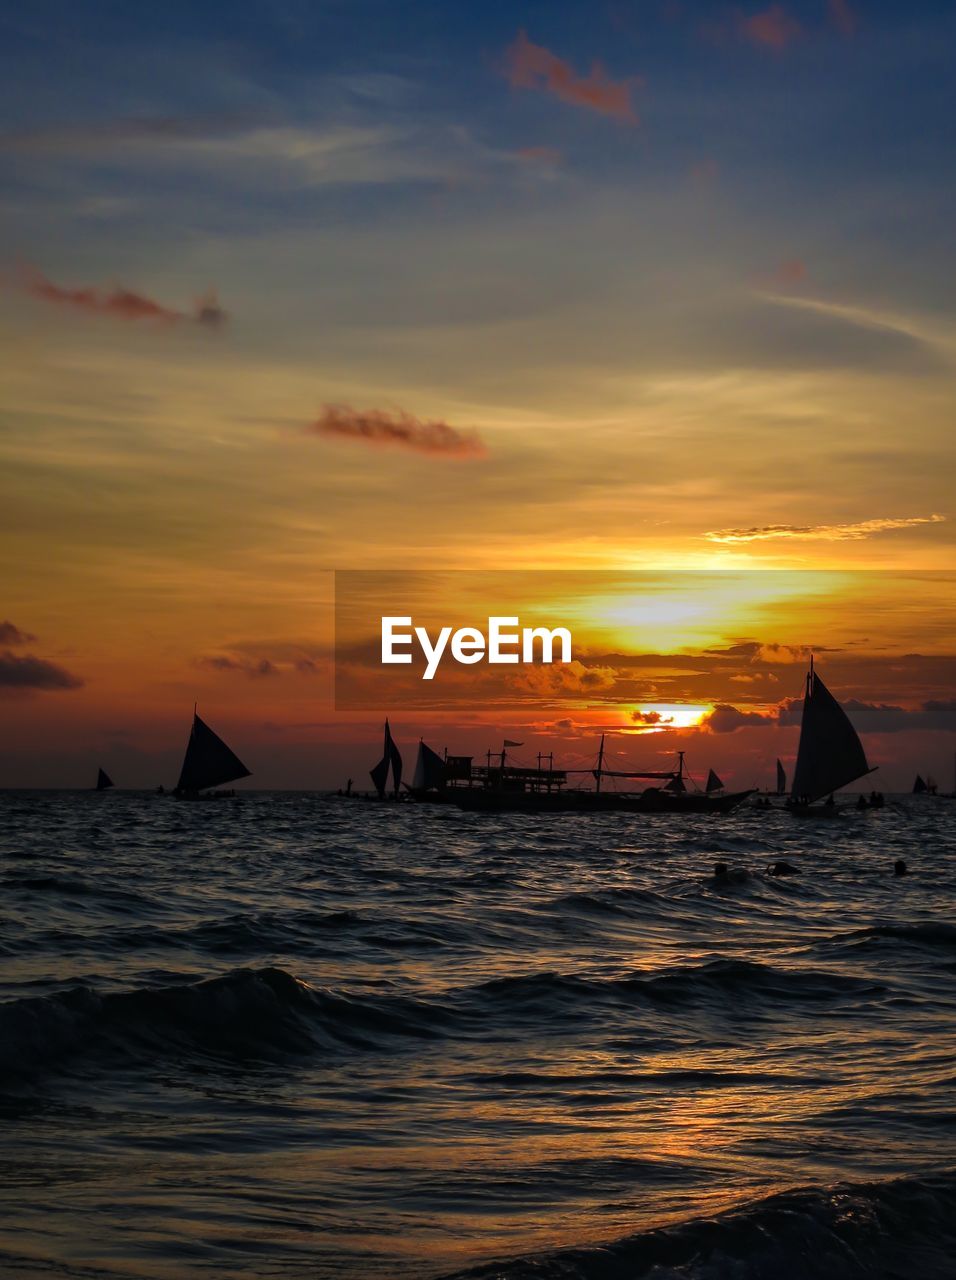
{"points": [[656, 717]]}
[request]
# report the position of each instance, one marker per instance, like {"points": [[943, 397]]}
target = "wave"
{"points": [[248, 1015], [854, 1231]]}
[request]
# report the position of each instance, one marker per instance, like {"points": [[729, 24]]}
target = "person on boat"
{"points": [[900, 868], [862, 803], [782, 869]]}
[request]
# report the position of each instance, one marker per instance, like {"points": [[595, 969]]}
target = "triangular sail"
{"points": [[830, 754], [103, 780], [781, 779], [713, 782], [391, 758], [919, 786], [677, 785], [208, 761], [429, 770]]}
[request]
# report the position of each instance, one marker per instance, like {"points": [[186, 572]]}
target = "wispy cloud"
{"points": [[27, 674], [773, 28], [532, 66], [376, 427], [867, 717], [119, 302], [820, 532]]}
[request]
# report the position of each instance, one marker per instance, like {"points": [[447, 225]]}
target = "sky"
{"points": [[294, 288]]}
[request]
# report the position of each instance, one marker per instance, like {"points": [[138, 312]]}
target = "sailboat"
{"points": [[781, 780], [103, 780], [391, 759], [830, 754], [713, 783], [429, 777], [208, 762]]}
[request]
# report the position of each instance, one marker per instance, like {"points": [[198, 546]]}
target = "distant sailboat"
{"points": [[208, 762], [429, 772], [830, 754], [391, 759], [713, 783], [919, 786], [781, 780], [103, 780]]}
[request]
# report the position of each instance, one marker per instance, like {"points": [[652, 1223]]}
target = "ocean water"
{"points": [[294, 1036]]}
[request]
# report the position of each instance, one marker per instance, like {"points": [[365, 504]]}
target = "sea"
{"points": [[293, 1036]]}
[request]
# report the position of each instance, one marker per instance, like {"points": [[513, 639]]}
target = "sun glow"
{"points": [[655, 717]]}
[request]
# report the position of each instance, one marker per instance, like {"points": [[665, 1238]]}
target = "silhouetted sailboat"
{"points": [[713, 783], [429, 772], [830, 754], [919, 786], [103, 780], [208, 762], [391, 759], [781, 780]]}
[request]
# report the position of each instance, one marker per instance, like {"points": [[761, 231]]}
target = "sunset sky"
{"points": [[298, 287]]}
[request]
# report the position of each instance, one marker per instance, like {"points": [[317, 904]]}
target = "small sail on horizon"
{"points": [[713, 782], [830, 754], [781, 780], [391, 758], [429, 772], [103, 780], [676, 785], [208, 762], [919, 786]]}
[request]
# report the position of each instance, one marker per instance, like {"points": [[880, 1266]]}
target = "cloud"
{"points": [[532, 66], [842, 16], [772, 28], [20, 674], [819, 532], [866, 717], [122, 304], [650, 717], [376, 427], [254, 668], [724, 718], [12, 635]]}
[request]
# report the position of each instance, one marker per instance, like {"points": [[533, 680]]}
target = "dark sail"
{"points": [[919, 786], [781, 779], [830, 754], [103, 780], [208, 761], [713, 783], [391, 758], [429, 770]]}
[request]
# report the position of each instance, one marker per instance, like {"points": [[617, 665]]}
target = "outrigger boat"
{"points": [[830, 754], [500, 787], [208, 763]]}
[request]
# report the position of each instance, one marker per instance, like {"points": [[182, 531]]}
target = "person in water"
{"points": [[899, 867], [782, 869]]}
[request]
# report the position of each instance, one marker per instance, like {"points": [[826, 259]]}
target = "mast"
{"points": [[600, 768]]}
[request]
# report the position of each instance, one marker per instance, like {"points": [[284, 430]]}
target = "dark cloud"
{"points": [[12, 635], [821, 532], [254, 668], [26, 673], [727, 719], [378, 428]]}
